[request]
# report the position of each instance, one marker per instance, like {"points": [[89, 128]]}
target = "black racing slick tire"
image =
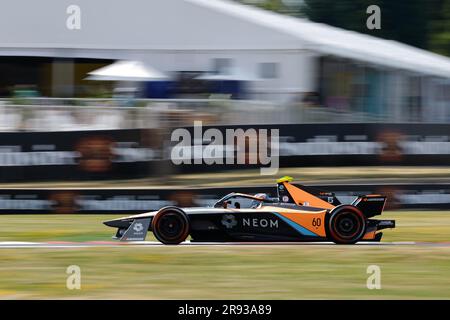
{"points": [[346, 225], [171, 225]]}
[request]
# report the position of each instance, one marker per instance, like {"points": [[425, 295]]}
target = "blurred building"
{"points": [[217, 46]]}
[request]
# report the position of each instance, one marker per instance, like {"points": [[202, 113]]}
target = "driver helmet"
{"points": [[256, 203], [262, 195]]}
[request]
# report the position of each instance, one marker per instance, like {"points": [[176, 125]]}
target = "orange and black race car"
{"points": [[298, 213]]}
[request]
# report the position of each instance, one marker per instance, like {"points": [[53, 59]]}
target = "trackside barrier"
{"points": [[130, 201]]}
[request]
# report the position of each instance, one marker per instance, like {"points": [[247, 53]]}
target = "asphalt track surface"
{"points": [[149, 244]]}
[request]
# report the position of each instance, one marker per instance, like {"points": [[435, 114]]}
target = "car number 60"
{"points": [[316, 222]]}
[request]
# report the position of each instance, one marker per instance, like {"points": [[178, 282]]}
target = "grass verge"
{"points": [[223, 272]]}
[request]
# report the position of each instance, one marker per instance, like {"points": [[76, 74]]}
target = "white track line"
{"points": [[17, 244]]}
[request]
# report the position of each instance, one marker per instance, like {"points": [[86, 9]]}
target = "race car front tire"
{"points": [[346, 225], [171, 225]]}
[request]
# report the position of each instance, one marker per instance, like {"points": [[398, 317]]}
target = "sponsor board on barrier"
{"points": [[126, 154], [104, 154], [129, 201]]}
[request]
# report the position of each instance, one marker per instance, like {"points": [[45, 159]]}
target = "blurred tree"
{"points": [[274, 5], [290, 7], [420, 23], [404, 21], [440, 29]]}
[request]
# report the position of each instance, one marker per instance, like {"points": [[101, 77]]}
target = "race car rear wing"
{"points": [[370, 205], [305, 196]]}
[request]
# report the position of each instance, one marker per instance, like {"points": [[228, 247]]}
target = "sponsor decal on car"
{"points": [[260, 223], [138, 227], [229, 221]]}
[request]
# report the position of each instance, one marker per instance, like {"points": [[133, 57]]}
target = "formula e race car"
{"points": [[298, 213]]}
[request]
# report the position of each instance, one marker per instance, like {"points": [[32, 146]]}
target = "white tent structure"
{"points": [[330, 40], [175, 25], [204, 35]]}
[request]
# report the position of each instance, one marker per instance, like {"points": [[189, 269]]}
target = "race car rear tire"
{"points": [[346, 225], [171, 225]]}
